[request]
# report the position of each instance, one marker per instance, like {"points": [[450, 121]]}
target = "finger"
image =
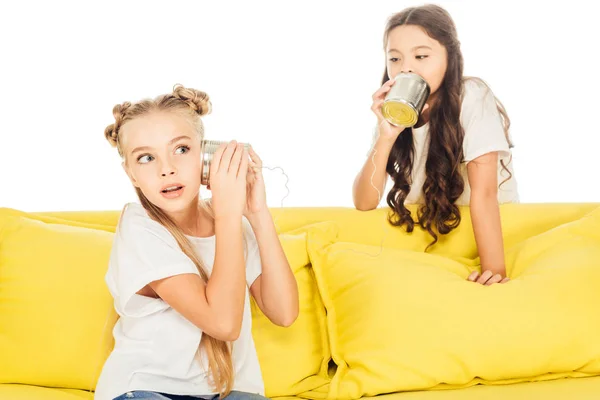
{"points": [[236, 159], [474, 275], [252, 169], [216, 160], [254, 157], [255, 169], [505, 280], [251, 180], [484, 277], [227, 157], [376, 108], [425, 107], [383, 89], [494, 279], [380, 94], [242, 171], [377, 104]]}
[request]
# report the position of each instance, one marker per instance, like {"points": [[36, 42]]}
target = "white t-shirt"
{"points": [[484, 133], [155, 346]]}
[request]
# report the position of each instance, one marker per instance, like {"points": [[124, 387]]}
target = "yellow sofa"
{"points": [[378, 315]]}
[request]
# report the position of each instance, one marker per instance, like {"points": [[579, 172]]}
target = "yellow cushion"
{"points": [[25, 392], [294, 360], [403, 320], [57, 218], [561, 389], [74, 259], [56, 313], [519, 222], [572, 389]]}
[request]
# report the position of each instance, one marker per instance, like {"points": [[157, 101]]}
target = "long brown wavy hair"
{"points": [[193, 104], [444, 182]]}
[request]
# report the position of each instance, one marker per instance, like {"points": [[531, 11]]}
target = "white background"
{"points": [[293, 78]]}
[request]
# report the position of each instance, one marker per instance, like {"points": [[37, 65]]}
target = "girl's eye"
{"points": [[146, 158], [394, 59], [182, 150], [421, 57]]}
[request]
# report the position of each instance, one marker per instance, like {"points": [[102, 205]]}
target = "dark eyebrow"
{"points": [[146, 148]]}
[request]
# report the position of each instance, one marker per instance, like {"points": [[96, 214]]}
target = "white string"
{"points": [[287, 180], [373, 175]]}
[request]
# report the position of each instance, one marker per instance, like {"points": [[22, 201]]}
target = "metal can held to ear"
{"points": [[405, 100], [206, 153]]}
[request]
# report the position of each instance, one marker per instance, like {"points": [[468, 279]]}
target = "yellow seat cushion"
{"points": [[571, 389], [25, 392], [519, 222], [57, 218], [403, 320], [56, 313], [294, 360], [561, 389], [53, 273]]}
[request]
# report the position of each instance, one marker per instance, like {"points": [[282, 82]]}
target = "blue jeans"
{"points": [[139, 394]]}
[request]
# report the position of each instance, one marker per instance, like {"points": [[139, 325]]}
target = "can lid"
{"points": [[399, 113]]}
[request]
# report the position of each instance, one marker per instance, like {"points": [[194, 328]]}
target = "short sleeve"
{"points": [[143, 251], [482, 123], [253, 261]]}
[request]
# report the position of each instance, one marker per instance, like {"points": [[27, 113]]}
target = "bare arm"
{"points": [[366, 195], [217, 306], [275, 290], [485, 215], [369, 184]]}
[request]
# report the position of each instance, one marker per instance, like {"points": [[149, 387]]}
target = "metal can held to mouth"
{"points": [[405, 100], [206, 153]]}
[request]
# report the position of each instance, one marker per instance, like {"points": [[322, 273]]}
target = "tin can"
{"points": [[405, 100], [206, 153]]}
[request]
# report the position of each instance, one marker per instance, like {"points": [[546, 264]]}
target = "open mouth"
{"points": [[172, 192], [172, 189]]}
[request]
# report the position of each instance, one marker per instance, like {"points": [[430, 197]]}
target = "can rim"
{"points": [[412, 74], [399, 100], [391, 120]]}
